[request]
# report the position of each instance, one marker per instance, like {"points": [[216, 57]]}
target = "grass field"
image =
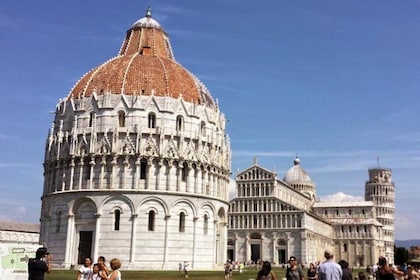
{"points": [[163, 275]]}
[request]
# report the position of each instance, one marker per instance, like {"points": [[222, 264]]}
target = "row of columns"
{"points": [[71, 252], [265, 221], [262, 205], [202, 181]]}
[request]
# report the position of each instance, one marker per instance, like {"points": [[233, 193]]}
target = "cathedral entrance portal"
{"points": [[255, 252], [85, 246], [281, 251], [281, 255]]}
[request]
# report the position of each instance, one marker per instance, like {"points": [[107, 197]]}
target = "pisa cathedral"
{"points": [[273, 219], [137, 166]]}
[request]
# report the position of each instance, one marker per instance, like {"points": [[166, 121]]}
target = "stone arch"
{"points": [[84, 210], [221, 215], [187, 202], [154, 200], [120, 198]]}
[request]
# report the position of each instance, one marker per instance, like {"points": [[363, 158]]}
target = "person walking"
{"points": [[329, 269], [347, 274], [115, 265]]}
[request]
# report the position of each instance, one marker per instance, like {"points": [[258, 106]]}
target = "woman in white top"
{"points": [[115, 266]]}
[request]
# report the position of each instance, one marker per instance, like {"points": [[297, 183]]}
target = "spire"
{"points": [[149, 12]]}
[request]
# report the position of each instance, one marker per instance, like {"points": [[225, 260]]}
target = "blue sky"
{"points": [[335, 82]]}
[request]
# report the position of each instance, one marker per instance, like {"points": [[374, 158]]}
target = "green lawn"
{"points": [[249, 273]]}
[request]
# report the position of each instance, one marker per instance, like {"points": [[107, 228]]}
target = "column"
{"points": [[113, 167], [197, 176], [168, 176], [96, 237], [101, 178], [69, 241], [195, 219], [178, 177], [159, 170], [188, 179], [81, 173], [91, 173], [126, 162], [166, 249], [71, 173], [216, 242], [248, 249], [149, 166], [133, 237], [137, 173]]}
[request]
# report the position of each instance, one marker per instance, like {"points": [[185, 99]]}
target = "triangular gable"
{"points": [[189, 152], [151, 104], [256, 172], [170, 151]]}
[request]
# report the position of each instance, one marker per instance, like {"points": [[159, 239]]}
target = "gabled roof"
{"points": [[19, 226], [256, 172]]}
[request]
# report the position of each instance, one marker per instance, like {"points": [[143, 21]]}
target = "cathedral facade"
{"points": [[272, 219], [137, 163]]}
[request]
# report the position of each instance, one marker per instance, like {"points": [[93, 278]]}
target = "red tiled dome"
{"points": [[145, 66]]}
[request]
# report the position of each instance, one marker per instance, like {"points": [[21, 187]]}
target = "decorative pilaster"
{"points": [[133, 237], [97, 234]]}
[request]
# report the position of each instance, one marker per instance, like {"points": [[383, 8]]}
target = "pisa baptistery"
{"points": [[137, 163]]}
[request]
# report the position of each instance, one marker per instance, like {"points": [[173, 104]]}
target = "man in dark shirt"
{"points": [[347, 274], [39, 265]]}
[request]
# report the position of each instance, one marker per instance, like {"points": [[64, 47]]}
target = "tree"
{"points": [[400, 255]]}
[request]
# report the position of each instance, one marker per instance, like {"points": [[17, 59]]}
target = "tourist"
{"points": [[103, 269], [412, 274], [347, 274], [95, 272], [312, 273], [266, 273], [115, 265], [294, 271], [40, 264], [329, 269], [86, 271], [362, 275], [386, 272], [186, 269]]}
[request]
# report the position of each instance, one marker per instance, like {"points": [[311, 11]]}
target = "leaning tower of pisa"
{"points": [[381, 190]]}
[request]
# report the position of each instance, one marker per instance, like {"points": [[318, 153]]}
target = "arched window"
{"points": [[179, 123], [152, 215], [203, 128], [117, 216], [182, 222], [206, 224], [58, 224], [151, 120], [121, 119], [91, 118], [184, 172], [143, 169]]}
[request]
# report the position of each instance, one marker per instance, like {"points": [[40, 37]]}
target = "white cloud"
{"points": [[340, 197]]}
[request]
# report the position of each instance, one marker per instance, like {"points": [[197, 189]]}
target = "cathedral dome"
{"points": [[297, 174], [145, 65]]}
